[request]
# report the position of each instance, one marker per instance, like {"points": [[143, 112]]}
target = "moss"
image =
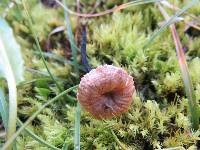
{"points": [[180, 139], [159, 115], [145, 123]]}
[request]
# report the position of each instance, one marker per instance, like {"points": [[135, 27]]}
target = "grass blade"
{"points": [[30, 20], [77, 128], [38, 44], [170, 21], [4, 114], [65, 146], [37, 138], [185, 74], [14, 136], [55, 57], [3, 109], [58, 58], [11, 68], [71, 39], [75, 63]]}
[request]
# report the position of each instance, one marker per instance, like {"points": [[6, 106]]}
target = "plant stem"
{"points": [[114, 9]]}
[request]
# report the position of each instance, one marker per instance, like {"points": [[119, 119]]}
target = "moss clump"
{"points": [[159, 115], [146, 126]]}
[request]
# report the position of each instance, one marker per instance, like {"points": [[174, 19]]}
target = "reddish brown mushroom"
{"points": [[106, 91]]}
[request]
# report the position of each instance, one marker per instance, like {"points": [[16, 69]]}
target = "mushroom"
{"points": [[106, 91]]}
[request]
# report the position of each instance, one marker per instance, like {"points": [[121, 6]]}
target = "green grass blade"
{"points": [[185, 73], [170, 21], [11, 69], [30, 20], [77, 127], [3, 109], [45, 74], [65, 146], [140, 2], [4, 114], [59, 59], [75, 63], [71, 39], [33, 81], [37, 138], [38, 44], [14, 145], [55, 57], [12, 138], [186, 79]]}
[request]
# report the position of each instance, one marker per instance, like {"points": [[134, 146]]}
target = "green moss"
{"points": [[158, 117], [145, 123]]}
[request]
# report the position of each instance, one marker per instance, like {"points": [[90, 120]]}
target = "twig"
{"points": [[95, 6], [118, 8]]}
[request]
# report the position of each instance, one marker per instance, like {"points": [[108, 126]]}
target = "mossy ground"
{"points": [[159, 115]]}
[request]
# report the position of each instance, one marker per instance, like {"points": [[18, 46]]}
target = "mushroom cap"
{"points": [[106, 91]]}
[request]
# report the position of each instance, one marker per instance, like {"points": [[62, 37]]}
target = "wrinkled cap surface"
{"points": [[106, 91]]}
